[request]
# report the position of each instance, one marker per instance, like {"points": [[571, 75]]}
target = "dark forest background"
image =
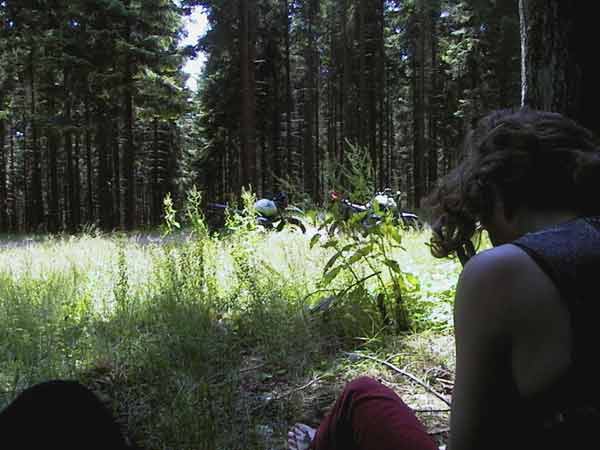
{"points": [[97, 126]]}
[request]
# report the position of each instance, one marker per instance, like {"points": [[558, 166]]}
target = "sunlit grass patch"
{"points": [[199, 340]]}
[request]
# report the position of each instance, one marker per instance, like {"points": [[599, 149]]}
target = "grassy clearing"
{"points": [[206, 342]]}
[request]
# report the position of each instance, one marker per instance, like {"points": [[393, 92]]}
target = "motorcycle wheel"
{"points": [[266, 224], [294, 222], [334, 229], [370, 221], [412, 223]]}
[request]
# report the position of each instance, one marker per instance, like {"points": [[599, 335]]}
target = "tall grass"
{"points": [[190, 341]]}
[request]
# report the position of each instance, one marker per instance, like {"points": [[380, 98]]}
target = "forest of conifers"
{"points": [[97, 126]]}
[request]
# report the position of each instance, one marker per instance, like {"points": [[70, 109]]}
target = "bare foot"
{"points": [[300, 436]]}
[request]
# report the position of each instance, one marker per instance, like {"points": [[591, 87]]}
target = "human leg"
{"points": [[370, 416]]}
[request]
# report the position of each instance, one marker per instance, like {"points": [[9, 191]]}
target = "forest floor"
{"points": [[312, 397], [213, 346]]}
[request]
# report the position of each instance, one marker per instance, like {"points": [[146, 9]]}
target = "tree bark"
{"points": [[380, 95], [103, 180], [559, 71], [12, 207], [288, 91], [53, 191], [3, 177], [418, 88], [35, 210], [247, 76], [75, 183], [115, 164], [432, 13], [309, 94], [88, 165], [129, 155], [73, 218]]}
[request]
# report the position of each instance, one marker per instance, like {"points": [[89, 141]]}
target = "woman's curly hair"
{"points": [[530, 158]]}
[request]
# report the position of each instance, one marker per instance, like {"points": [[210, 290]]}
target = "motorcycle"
{"points": [[215, 215], [372, 212], [271, 213], [386, 200], [276, 212]]}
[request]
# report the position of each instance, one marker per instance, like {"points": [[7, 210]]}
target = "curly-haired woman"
{"points": [[526, 310]]}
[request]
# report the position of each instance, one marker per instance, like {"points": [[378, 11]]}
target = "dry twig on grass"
{"points": [[288, 393], [249, 369], [403, 372]]}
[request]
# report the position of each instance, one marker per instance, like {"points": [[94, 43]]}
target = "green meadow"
{"points": [[199, 340]]}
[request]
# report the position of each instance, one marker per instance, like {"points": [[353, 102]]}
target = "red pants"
{"points": [[370, 416]]}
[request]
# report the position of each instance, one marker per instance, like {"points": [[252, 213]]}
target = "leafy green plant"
{"points": [[243, 220], [356, 174], [194, 214], [170, 222], [370, 248], [121, 289]]}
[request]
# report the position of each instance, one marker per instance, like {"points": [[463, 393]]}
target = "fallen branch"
{"points": [[440, 431], [248, 369], [431, 411], [403, 372], [288, 393], [325, 303]]}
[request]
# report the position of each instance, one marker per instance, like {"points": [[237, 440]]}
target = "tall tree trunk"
{"points": [[35, 210], [72, 215], [103, 180], [115, 164], [75, 182], [24, 220], [380, 94], [288, 91], [156, 185], [129, 155], [3, 177], [390, 132], [53, 191], [12, 208], [316, 99], [418, 88], [348, 116], [252, 38], [331, 97], [309, 150], [371, 81], [69, 180], [559, 72], [91, 217], [247, 75], [432, 13], [363, 74], [275, 135]]}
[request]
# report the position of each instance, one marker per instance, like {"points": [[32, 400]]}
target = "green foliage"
{"points": [[355, 174], [170, 221], [193, 213], [168, 332], [106, 67], [121, 290], [360, 246], [242, 221]]}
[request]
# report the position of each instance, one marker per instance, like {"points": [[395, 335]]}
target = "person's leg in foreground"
{"points": [[366, 416], [59, 414]]}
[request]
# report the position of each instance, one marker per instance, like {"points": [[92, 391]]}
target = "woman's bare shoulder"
{"points": [[504, 281]]}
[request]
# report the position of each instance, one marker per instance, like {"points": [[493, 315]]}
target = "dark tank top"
{"points": [[568, 414]]}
